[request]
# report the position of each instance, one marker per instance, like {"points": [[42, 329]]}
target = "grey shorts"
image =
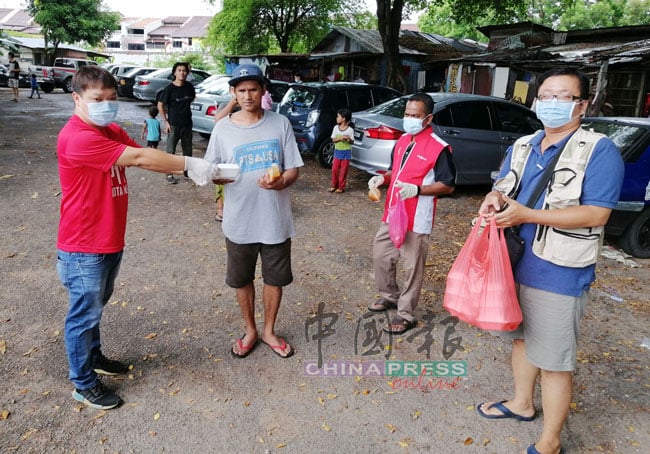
{"points": [[242, 260], [550, 328], [12, 83]]}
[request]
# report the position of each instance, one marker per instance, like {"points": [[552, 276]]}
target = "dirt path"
{"points": [[173, 319]]}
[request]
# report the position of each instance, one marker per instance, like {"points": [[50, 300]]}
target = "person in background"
{"points": [[257, 220], [93, 154], [563, 233], [297, 78], [421, 170], [151, 128], [34, 84], [174, 105], [343, 138], [14, 76], [267, 101]]}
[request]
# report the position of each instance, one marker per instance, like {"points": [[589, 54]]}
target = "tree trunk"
{"points": [[389, 19]]}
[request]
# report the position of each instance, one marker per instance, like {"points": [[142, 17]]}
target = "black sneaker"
{"points": [[98, 397], [106, 366], [171, 179]]}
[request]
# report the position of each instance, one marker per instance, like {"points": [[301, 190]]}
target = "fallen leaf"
{"points": [[468, 441], [156, 417], [416, 414], [391, 428], [35, 195], [150, 336], [403, 443], [152, 433], [331, 396], [4, 415], [281, 445], [103, 440], [3, 346], [486, 441], [326, 428], [100, 414]]}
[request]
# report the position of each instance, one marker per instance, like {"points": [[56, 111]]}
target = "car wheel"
{"points": [[67, 85], [205, 135], [326, 154], [636, 238]]}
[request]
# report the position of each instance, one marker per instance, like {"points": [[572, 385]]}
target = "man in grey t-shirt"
{"points": [[257, 219]]}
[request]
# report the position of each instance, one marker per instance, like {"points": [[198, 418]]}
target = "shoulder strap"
{"points": [[546, 176]]}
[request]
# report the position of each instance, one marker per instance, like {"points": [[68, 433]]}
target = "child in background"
{"points": [[343, 138], [34, 83], [151, 128]]}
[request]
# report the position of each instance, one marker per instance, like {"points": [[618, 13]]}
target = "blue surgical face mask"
{"points": [[102, 113], [412, 125], [554, 113]]}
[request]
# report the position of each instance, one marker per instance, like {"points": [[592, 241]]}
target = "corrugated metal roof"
{"points": [[196, 26]]}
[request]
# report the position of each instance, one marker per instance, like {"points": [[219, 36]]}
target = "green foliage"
{"points": [[438, 18], [246, 27], [65, 21], [556, 14]]}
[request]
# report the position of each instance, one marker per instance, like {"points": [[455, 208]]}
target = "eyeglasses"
{"points": [[561, 98]]}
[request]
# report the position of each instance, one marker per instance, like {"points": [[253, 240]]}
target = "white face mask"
{"points": [[412, 125], [102, 113]]}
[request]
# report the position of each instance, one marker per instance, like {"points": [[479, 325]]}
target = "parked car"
{"points": [[218, 93], [60, 74], [312, 107], [630, 220], [24, 79], [118, 70], [201, 87], [149, 86], [126, 81], [479, 129]]}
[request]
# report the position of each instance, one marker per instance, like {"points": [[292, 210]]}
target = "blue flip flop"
{"points": [[533, 450], [505, 413]]}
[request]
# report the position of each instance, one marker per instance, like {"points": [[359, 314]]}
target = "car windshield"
{"points": [[393, 108], [299, 97], [219, 87], [162, 73], [624, 136]]}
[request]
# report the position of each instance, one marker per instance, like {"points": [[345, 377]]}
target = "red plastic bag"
{"points": [[480, 286], [397, 223]]}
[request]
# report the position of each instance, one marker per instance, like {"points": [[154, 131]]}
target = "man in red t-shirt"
{"points": [[421, 170], [93, 153]]}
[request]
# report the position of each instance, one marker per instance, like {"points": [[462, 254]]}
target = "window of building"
{"points": [[113, 44], [135, 46], [177, 44]]}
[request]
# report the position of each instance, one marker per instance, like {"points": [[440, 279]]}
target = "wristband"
{"points": [[419, 190]]}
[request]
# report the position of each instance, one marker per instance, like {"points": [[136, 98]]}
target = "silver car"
{"points": [[149, 86], [215, 95], [479, 129]]}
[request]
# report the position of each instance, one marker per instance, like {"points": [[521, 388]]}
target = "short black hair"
{"points": [[11, 54], [153, 111], [424, 99], [180, 63], [346, 114], [567, 71]]}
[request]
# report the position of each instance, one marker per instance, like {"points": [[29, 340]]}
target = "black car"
{"points": [[126, 81], [312, 107]]}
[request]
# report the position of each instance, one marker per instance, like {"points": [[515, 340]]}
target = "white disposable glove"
{"points": [[375, 182], [408, 190], [199, 170]]}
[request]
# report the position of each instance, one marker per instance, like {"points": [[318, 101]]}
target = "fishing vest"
{"points": [[574, 248]]}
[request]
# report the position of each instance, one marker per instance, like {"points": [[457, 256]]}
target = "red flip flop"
{"points": [[279, 349], [245, 350]]}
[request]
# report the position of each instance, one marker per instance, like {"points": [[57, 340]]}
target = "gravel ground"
{"points": [[173, 319]]}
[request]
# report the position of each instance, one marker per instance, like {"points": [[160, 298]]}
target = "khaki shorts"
{"points": [[13, 83], [242, 260], [550, 328]]}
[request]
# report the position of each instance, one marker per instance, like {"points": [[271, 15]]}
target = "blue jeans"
{"points": [[89, 279]]}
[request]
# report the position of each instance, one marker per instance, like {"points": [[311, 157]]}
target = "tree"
{"points": [[65, 21], [389, 19], [438, 18], [261, 26]]}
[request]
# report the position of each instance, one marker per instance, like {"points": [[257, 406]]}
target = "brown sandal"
{"points": [[399, 325]]}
